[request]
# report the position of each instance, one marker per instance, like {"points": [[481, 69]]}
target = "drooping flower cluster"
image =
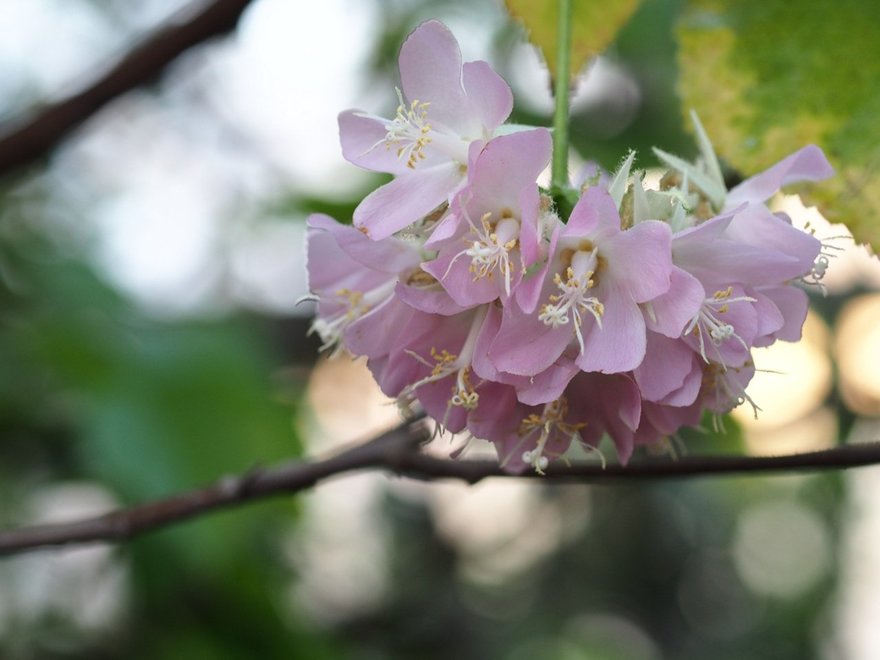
{"points": [[469, 294]]}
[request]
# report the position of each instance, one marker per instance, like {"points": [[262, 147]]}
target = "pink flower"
{"points": [[500, 320], [807, 164], [446, 108], [589, 294], [608, 403], [491, 235], [436, 355], [725, 389], [671, 373], [352, 276], [534, 435], [661, 421], [527, 436], [733, 257]]}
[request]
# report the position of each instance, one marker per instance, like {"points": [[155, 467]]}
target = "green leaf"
{"points": [[767, 79], [594, 26]]}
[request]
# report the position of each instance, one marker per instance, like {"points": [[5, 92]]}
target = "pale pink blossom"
{"points": [[447, 110], [589, 296]]}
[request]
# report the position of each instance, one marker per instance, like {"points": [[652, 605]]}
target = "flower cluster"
{"points": [[469, 294]]}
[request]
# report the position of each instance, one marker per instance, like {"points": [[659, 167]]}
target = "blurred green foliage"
{"points": [[767, 78], [594, 25], [94, 389]]}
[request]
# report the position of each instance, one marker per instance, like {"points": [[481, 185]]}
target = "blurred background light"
{"points": [[791, 382], [86, 588], [856, 634], [781, 549], [857, 349]]}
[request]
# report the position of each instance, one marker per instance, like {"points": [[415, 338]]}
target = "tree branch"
{"points": [[256, 484], [33, 138], [398, 451]]}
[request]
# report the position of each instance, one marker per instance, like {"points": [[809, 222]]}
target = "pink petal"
{"points": [[435, 399], [666, 365], [719, 262], [496, 413], [610, 404], [446, 229], [705, 232], [453, 271], [381, 330], [390, 255], [490, 97], [548, 385], [481, 364], [640, 259], [529, 241], [808, 164], [508, 164], [595, 215], [619, 345], [430, 72], [326, 263], [768, 317], [395, 371], [363, 143], [409, 197], [659, 421], [793, 304], [690, 388], [755, 225], [670, 312], [431, 300], [526, 346], [531, 289]]}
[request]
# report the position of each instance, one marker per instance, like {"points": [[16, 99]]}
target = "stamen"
{"points": [[354, 305], [551, 419], [706, 322], [443, 364], [491, 243], [573, 300], [465, 396], [729, 394], [827, 252], [409, 130], [443, 359]]}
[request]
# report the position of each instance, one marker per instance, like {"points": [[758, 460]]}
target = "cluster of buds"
{"points": [[470, 296]]}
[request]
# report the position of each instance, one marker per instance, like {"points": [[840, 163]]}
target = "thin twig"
{"points": [[228, 491], [398, 451], [23, 142]]}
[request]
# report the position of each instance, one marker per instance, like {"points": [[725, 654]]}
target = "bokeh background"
{"points": [[150, 341]]}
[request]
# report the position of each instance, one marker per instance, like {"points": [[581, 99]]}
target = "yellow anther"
{"points": [[442, 358], [420, 278], [721, 295], [409, 131]]}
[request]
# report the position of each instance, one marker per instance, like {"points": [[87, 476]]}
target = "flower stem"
{"points": [[559, 179]]}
